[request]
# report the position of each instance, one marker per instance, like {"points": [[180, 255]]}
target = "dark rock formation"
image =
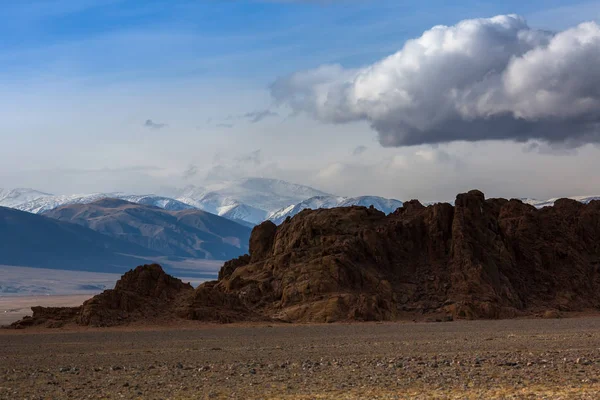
{"points": [[477, 259], [145, 293], [230, 266], [50, 317], [261, 240]]}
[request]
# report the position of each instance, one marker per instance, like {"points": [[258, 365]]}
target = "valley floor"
{"points": [[479, 359]]}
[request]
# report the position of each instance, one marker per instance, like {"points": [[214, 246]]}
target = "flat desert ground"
{"points": [[523, 358]]}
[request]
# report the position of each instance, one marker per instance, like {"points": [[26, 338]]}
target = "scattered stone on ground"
{"points": [[518, 359]]}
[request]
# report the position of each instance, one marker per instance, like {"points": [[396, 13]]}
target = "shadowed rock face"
{"points": [[478, 259], [145, 293]]}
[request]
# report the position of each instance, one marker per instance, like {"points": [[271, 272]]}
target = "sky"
{"points": [[402, 99]]}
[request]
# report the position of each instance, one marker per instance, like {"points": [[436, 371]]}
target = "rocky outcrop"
{"points": [[477, 259], [145, 293], [480, 258], [50, 317]]}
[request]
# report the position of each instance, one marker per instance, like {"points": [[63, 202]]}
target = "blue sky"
{"points": [[119, 39], [79, 78]]}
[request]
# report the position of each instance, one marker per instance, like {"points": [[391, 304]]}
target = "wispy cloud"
{"points": [[226, 167], [190, 172], [252, 117], [359, 150], [253, 158], [257, 116], [154, 125]]}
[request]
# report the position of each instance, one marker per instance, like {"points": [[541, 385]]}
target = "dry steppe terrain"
{"points": [[519, 358]]}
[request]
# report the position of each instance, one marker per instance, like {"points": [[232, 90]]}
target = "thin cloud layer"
{"points": [[481, 79]]}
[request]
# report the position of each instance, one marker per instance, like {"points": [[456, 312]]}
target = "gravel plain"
{"points": [[528, 358]]}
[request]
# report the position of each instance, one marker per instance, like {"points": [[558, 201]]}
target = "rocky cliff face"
{"points": [[480, 258]]}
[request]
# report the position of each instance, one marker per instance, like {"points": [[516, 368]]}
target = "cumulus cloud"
{"points": [[481, 79], [154, 125]]}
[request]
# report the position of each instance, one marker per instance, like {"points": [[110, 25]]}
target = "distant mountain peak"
{"points": [[249, 199], [12, 197], [109, 202], [188, 233], [386, 205]]}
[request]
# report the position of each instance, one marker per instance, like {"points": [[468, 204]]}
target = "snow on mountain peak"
{"points": [[380, 203], [47, 202], [13, 197], [550, 202], [249, 199]]}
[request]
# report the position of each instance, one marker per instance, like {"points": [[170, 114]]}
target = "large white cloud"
{"points": [[481, 79]]}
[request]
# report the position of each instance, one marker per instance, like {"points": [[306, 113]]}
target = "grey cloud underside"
{"points": [[570, 133], [482, 79]]}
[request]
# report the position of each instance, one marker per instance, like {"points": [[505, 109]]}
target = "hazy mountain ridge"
{"points": [[250, 199], [32, 240], [183, 233], [247, 201]]}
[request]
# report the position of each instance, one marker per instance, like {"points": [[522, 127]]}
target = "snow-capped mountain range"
{"points": [[386, 205], [38, 202], [247, 201], [14, 197], [550, 202], [251, 199]]}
